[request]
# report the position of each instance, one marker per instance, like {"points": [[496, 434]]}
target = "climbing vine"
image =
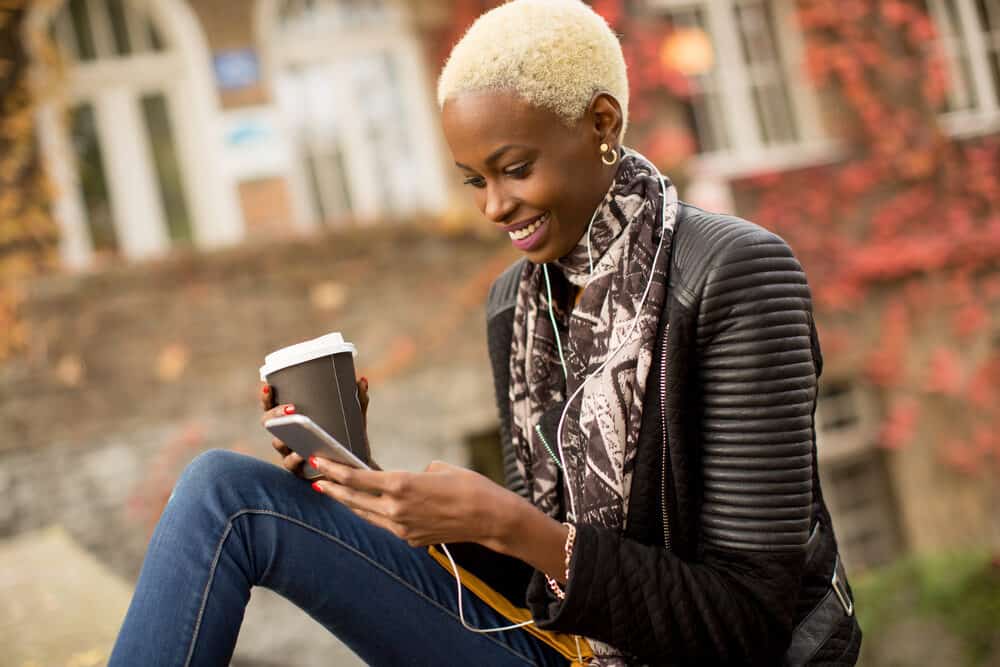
{"points": [[905, 221], [28, 237], [908, 219]]}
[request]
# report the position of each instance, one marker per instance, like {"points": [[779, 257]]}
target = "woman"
{"points": [[656, 370]]}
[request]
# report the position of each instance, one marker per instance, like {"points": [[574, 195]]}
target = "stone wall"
{"points": [[133, 371]]}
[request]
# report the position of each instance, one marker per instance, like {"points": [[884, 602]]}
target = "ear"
{"points": [[605, 118]]}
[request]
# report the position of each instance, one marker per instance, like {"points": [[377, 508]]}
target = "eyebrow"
{"points": [[492, 157]]}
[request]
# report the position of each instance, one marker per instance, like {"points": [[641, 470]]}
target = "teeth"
{"points": [[530, 229]]}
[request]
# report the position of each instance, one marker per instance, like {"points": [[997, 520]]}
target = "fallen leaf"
{"points": [[89, 658], [172, 361], [327, 295], [69, 370]]}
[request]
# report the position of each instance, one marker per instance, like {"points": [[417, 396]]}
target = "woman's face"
{"points": [[536, 179]]}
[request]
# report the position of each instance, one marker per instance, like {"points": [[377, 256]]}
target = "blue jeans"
{"points": [[234, 522]]}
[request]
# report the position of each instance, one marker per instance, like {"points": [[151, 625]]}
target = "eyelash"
{"points": [[517, 172]]}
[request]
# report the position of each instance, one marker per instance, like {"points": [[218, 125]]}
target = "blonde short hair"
{"points": [[555, 54]]}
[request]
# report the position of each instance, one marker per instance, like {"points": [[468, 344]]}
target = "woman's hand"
{"points": [[291, 461], [445, 503]]}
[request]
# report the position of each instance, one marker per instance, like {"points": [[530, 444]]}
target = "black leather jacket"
{"points": [[729, 545]]}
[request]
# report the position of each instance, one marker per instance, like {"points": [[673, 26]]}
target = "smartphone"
{"points": [[306, 438]]}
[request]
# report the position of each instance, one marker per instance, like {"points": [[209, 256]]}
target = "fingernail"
{"points": [[317, 487], [289, 409], [312, 462], [266, 389], [365, 380]]}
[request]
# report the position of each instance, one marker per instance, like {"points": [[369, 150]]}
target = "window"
{"points": [[845, 421], [969, 34], [859, 497], [854, 475], [485, 453], [319, 17], [135, 168], [88, 31], [349, 81], [752, 101]]}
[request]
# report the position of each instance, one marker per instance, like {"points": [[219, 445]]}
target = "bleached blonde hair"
{"points": [[555, 54]]}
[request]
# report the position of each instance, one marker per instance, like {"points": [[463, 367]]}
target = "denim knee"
{"points": [[215, 473]]}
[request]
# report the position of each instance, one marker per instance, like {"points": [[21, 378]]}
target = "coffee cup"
{"points": [[317, 377]]}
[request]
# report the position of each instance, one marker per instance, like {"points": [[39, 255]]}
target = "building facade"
{"points": [[211, 123], [215, 122]]}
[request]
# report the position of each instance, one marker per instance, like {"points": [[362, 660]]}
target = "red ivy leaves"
{"points": [[944, 375], [908, 207], [886, 363], [899, 426]]}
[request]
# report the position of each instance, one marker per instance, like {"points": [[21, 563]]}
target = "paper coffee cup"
{"points": [[317, 376]]}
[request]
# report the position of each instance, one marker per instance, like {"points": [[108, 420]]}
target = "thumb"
{"points": [[438, 466]]}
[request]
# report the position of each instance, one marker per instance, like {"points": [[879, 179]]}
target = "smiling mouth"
{"points": [[525, 232]]}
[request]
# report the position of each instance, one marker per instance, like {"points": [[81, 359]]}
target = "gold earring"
{"points": [[614, 154]]}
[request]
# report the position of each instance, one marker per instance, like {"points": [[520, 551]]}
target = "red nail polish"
{"points": [[312, 461], [316, 487], [364, 379], [266, 389], [289, 409]]}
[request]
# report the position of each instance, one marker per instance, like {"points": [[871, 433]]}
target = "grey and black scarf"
{"points": [[601, 429]]}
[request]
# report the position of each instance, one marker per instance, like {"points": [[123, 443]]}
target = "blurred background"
{"points": [[186, 185]]}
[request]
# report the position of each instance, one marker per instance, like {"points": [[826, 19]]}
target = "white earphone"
{"points": [[561, 461]]}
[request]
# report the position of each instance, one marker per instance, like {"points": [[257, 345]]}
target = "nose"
{"points": [[497, 205]]}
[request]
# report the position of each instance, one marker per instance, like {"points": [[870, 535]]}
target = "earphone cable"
{"points": [[628, 336], [561, 460], [484, 631], [461, 613]]}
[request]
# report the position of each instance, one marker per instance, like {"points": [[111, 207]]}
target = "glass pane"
{"points": [[119, 26], [989, 19], [92, 179], [704, 108], [168, 171], [154, 37], [767, 73], [327, 176], [81, 28], [377, 85], [995, 70], [989, 14], [954, 49], [309, 98], [756, 33], [774, 109], [962, 94], [342, 189], [321, 16], [316, 186]]}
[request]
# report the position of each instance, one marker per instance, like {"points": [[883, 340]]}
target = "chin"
{"points": [[542, 255]]}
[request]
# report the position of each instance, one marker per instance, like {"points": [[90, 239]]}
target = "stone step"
{"points": [[58, 604]]}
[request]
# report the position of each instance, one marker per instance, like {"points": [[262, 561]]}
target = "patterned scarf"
{"points": [[601, 429]]}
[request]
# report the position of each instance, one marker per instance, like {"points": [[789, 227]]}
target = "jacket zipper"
{"points": [[663, 424]]}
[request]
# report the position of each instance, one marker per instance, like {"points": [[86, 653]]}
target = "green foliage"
{"points": [[960, 591]]}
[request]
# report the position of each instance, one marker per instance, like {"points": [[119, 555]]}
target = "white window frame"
{"points": [[398, 39], [114, 87], [984, 118], [747, 153]]}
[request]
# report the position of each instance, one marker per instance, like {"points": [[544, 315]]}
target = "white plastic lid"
{"points": [[331, 343]]}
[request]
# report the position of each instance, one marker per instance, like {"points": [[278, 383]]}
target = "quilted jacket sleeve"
{"points": [[733, 603]]}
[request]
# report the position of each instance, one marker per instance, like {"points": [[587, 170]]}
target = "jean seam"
{"points": [[334, 538]]}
